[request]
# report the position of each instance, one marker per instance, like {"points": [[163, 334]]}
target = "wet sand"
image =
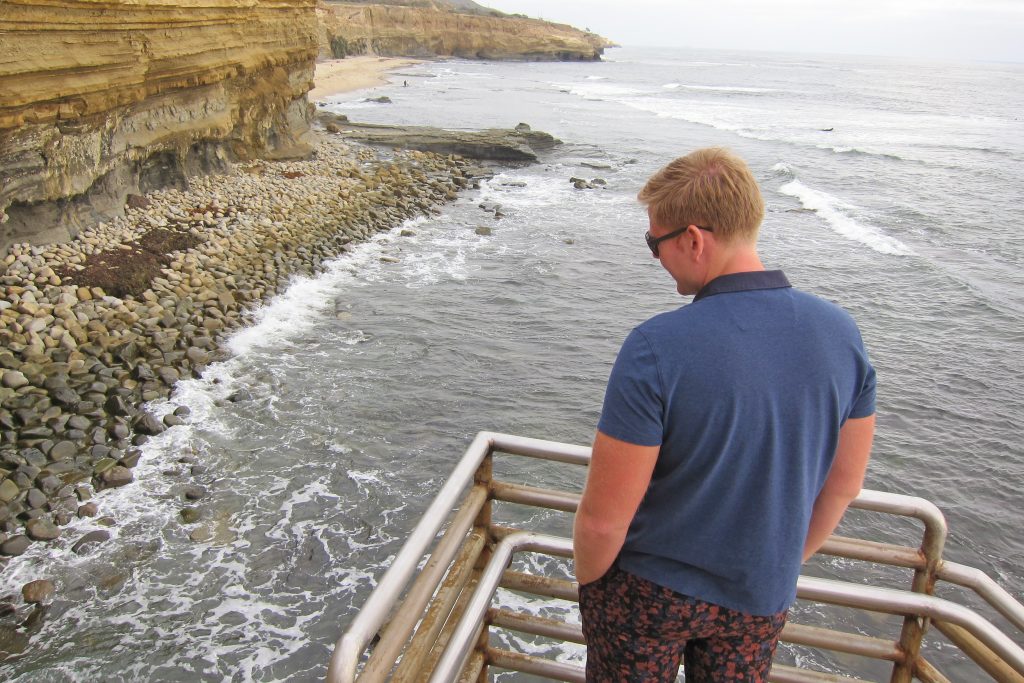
{"points": [[335, 76]]}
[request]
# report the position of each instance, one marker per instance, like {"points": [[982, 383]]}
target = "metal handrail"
{"points": [[464, 628], [371, 617]]}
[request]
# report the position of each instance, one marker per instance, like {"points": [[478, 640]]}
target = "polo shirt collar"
{"points": [[744, 282]]}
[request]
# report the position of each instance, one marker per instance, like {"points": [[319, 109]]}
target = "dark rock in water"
{"points": [[41, 529], [131, 458], [482, 230], [147, 423], [190, 515], [182, 411], [523, 127], [38, 591], [88, 510], [195, 493], [96, 536], [15, 545], [172, 420], [493, 144], [117, 475], [383, 99]]}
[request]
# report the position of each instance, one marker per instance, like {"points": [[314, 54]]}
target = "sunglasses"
{"points": [[652, 242]]}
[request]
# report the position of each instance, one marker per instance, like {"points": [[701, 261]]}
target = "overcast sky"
{"points": [[956, 30]]}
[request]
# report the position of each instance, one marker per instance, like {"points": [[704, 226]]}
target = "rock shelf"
{"points": [[95, 328]]}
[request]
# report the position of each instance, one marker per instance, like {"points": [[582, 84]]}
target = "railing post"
{"points": [[485, 476], [914, 628]]}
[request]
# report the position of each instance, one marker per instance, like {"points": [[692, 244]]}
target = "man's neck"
{"points": [[738, 258]]}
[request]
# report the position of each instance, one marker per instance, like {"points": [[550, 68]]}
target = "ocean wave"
{"points": [[726, 88], [598, 91], [836, 212]]}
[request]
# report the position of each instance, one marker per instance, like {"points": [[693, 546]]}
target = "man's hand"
{"points": [[616, 483]]}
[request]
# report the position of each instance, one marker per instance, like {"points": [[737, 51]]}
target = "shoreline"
{"points": [[96, 328], [336, 76]]}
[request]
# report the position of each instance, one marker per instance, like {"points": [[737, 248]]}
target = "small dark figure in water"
{"points": [[734, 433]]}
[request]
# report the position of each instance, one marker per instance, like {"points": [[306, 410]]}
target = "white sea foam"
{"points": [[671, 86], [836, 213], [782, 167]]}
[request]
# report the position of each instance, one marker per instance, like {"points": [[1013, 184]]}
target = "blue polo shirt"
{"points": [[745, 389]]}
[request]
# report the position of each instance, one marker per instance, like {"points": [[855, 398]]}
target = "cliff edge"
{"points": [[100, 99], [443, 30]]}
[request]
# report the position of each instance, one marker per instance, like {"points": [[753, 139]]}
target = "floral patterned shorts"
{"points": [[637, 630]]}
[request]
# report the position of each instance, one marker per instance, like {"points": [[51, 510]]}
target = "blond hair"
{"points": [[710, 187]]}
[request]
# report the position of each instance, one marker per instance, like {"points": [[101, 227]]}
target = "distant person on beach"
{"points": [[735, 432]]}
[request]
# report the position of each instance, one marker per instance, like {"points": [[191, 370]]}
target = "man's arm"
{"points": [[616, 483], [843, 483]]}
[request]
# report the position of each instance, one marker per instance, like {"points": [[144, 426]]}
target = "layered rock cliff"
{"points": [[99, 99], [389, 30]]}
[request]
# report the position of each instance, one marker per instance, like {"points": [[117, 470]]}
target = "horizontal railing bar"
{"points": [[986, 587], [535, 625], [535, 496], [872, 551], [892, 601], [545, 586], [905, 506], [979, 653], [788, 674], [538, 448], [841, 641], [538, 666], [462, 639], [397, 632]]}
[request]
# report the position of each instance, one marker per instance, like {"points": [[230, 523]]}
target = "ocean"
{"points": [[892, 188]]}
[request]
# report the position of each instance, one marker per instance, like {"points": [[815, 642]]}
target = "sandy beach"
{"points": [[353, 73]]}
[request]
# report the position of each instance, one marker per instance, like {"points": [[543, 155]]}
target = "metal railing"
{"points": [[434, 623]]}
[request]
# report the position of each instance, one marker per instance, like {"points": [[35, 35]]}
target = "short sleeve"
{"points": [[633, 402], [864, 404]]}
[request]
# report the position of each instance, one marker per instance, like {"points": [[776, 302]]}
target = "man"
{"points": [[735, 432]]}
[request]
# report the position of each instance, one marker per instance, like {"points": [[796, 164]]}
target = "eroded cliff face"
{"points": [[388, 30], [102, 99]]}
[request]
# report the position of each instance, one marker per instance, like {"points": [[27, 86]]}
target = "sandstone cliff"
{"points": [[389, 30], [102, 98]]}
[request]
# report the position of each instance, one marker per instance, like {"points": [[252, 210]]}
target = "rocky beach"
{"points": [[95, 328]]}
